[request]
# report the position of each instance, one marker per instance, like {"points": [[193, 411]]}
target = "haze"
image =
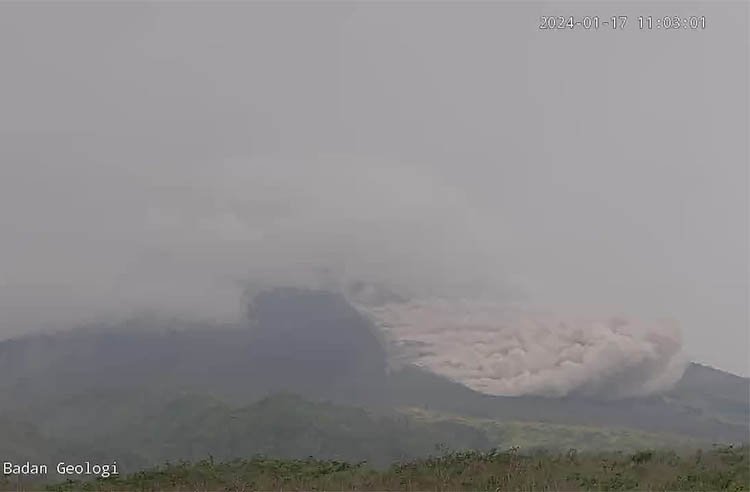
{"points": [[168, 157]]}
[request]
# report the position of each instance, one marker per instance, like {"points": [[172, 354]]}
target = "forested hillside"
{"points": [[307, 375], [722, 468]]}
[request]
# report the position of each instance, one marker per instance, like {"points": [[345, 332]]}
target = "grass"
{"points": [[720, 468]]}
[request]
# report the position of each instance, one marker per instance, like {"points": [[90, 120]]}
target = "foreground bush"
{"points": [[722, 468]]}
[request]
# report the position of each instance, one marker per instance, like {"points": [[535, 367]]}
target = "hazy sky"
{"points": [[162, 156]]}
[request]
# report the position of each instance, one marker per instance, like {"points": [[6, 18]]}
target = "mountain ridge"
{"points": [[118, 377]]}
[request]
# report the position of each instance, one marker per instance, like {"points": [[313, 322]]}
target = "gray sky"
{"points": [[160, 156]]}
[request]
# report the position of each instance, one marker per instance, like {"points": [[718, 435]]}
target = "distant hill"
{"points": [[23, 441], [288, 426], [96, 383], [685, 412], [308, 342], [714, 392], [194, 427]]}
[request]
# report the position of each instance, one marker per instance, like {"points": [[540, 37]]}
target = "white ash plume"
{"points": [[500, 350]]}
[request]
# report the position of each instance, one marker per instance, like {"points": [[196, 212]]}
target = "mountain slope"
{"points": [[714, 392], [97, 381], [288, 426], [194, 427], [673, 414]]}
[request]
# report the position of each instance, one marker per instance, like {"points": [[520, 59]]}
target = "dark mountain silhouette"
{"points": [[713, 391], [315, 340], [308, 342], [106, 380]]}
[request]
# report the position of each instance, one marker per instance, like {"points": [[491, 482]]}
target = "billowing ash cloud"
{"points": [[501, 350], [187, 240], [190, 154]]}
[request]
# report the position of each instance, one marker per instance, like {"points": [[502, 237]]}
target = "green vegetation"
{"points": [[722, 468], [287, 426], [528, 436], [305, 378]]}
